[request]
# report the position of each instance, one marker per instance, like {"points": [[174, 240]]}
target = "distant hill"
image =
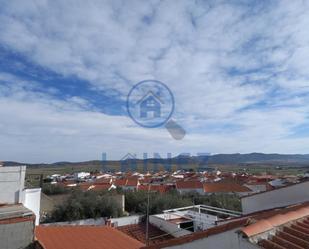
{"points": [[225, 159], [258, 158], [56, 164]]}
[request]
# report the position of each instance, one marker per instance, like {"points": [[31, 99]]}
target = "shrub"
{"points": [[85, 205], [54, 189]]}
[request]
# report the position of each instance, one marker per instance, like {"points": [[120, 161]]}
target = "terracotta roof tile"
{"points": [[275, 221], [293, 236], [189, 185], [132, 182], [120, 182], [84, 237], [226, 187], [146, 180], [288, 230], [103, 180], [259, 227]]}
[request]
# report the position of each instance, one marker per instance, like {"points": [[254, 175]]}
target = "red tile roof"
{"points": [[146, 180], [282, 231], [263, 177], [129, 182], [120, 182], [265, 225], [289, 238], [295, 235], [225, 187], [84, 237], [103, 180], [132, 182], [189, 185]]}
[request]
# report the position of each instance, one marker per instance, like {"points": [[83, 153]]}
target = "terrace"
{"points": [[186, 220]]}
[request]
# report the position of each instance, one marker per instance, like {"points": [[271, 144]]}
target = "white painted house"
{"points": [[81, 175], [12, 190]]}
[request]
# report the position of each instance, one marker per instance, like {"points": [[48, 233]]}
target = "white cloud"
{"points": [[228, 65]]}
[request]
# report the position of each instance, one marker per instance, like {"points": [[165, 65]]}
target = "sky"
{"points": [[238, 71]]}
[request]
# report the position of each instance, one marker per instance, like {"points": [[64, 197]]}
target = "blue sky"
{"points": [[238, 71]]}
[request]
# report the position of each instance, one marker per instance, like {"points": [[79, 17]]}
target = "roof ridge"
{"points": [[275, 221]]}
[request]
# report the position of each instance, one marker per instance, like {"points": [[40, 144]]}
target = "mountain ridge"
{"points": [[235, 158]]}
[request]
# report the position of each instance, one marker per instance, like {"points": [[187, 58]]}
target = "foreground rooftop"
{"points": [[280, 228], [15, 213], [83, 237]]}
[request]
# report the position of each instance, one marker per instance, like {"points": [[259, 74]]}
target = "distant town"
{"points": [[162, 209]]}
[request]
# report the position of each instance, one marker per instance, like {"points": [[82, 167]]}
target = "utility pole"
{"points": [[41, 180], [147, 217]]}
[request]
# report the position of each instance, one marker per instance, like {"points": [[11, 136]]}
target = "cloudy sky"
{"points": [[239, 72]]}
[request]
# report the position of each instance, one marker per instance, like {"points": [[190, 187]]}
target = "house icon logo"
{"points": [[150, 103]]}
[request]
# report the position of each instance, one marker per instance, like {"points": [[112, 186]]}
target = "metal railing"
{"points": [[205, 208]]}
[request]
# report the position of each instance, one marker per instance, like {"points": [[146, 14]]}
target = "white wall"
{"points": [[202, 221], [85, 222], [167, 226], [276, 198], [32, 201], [123, 221], [12, 180], [81, 175], [225, 240]]}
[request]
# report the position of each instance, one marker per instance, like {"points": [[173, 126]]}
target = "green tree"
{"points": [[85, 205]]}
